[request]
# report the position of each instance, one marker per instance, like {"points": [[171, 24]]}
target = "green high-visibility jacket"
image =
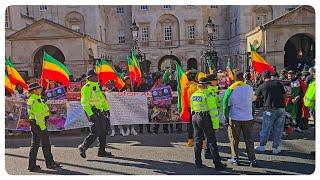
{"points": [[38, 110], [199, 101], [92, 96], [310, 96], [213, 105]]}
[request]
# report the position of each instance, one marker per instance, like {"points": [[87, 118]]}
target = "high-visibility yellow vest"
{"points": [[92, 96], [37, 110], [198, 101], [310, 96], [213, 105]]}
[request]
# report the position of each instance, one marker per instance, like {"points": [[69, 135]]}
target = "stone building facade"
{"points": [[79, 35]]}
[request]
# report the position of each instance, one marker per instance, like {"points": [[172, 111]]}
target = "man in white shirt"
{"points": [[240, 119]]}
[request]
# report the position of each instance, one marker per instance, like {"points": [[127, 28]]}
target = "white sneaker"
{"points": [[122, 132], [133, 132], [113, 133], [276, 150], [128, 132], [260, 148]]}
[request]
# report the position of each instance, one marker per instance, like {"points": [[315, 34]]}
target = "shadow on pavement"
{"points": [[60, 171]]}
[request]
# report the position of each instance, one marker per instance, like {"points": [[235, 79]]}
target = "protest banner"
{"points": [[128, 108], [76, 117], [125, 108], [12, 112], [58, 114], [56, 93], [73, 91], [162, 95]]}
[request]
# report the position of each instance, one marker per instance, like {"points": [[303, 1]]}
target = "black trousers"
{"points": [[190, 128], [202, 126], [164, 127], [37, 137], [141, 127], [98, 129]]}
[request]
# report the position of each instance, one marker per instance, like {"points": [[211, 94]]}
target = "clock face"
{"points": [[165, 91], [49, 95]]}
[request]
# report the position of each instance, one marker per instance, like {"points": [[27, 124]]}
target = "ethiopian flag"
{"points": [[183, 95], [54, 70], [14, 76], [132, 73], [107, 73], [8, 85], [259, 64], [137, 68], [229, 72], [98, 68]]}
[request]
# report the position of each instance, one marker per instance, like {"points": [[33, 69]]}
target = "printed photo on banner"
{"points": [[56, 93], [74, 91], [58, 114], [12, 112], [162, 95]]}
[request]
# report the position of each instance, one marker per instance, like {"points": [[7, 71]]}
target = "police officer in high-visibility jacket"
{"points": [[214, 106], [96, 107], [38, 113], [309, 99], [202, 125]]}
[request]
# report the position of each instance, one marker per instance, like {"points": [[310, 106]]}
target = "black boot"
{"points": [[220, 166], [104, 153], [54, 165], [82, 151], [36, 168]]}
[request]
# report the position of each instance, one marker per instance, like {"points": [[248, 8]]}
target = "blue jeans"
{"points": [[274, 119]]}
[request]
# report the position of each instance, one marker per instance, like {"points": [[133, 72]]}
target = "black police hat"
{"points": [[34, 86], [204, 81], [90, 73], [212, 77]]}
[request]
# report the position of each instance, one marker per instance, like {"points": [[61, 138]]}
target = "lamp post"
{"points": [[135, 32], [209, 54]]}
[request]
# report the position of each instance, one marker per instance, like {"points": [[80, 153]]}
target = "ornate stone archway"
{"points": [[168, 61], [38, 57], [299, 51]]}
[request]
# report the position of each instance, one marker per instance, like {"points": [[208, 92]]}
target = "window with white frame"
{"points": [[145, 34], [167, 33], [43, 7], [261, 19], [121, 38], [216, 32], [144, 7], [75, 27], [190, 32], [7, 21], [120, 10], [167, 7]]}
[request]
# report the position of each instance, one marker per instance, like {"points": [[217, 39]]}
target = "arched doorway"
{"points": [[192, 64], [168, 62], [38, 57], [299, 51]]}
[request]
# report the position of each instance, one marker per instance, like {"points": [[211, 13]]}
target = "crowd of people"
{"points": [[290, 95]]}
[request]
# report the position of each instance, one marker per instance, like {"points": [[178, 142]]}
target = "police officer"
{"points": [[38, 113], [96, 107], [213, 105], [202, 125]]}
